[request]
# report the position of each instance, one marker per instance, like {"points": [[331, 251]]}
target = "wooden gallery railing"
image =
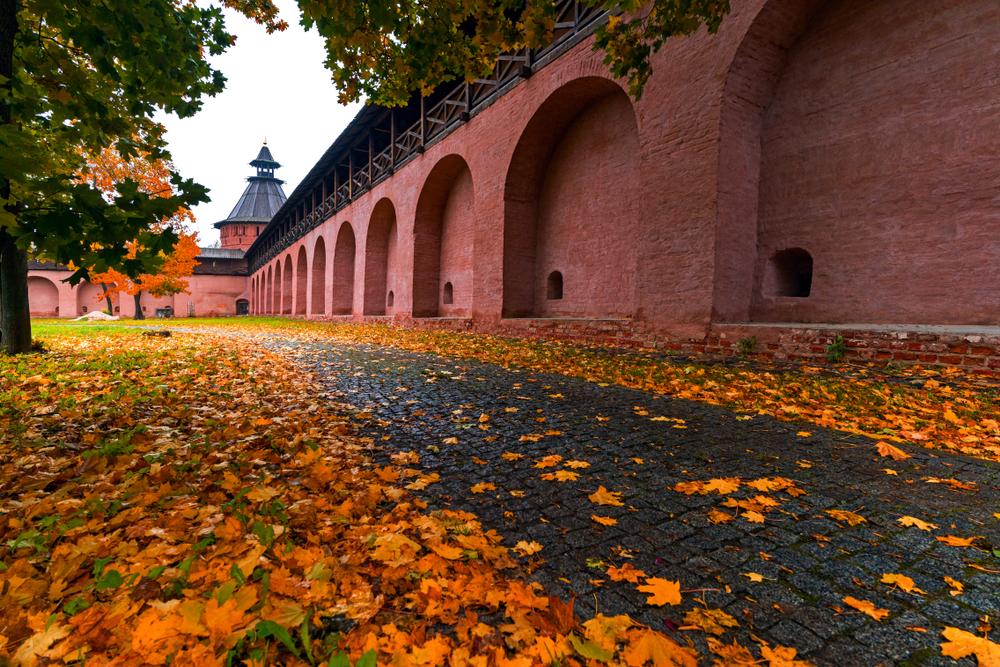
{"points": [[360, 165]]}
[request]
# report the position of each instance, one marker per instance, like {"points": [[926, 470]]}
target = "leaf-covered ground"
{"points": [[198, 499], [930, 407]]}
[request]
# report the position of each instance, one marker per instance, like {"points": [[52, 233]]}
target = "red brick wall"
{"points": [[239, 235], [881, 157]]}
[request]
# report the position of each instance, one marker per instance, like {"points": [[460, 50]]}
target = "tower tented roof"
{"points": [[263, 195]]}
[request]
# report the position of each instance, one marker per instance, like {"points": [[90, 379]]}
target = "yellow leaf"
{"points": [[450, 441], [604, 497], [626, 572], [951, 417], [890, 471], [753, 517], [804, 434], [549, 461], [962, 644], [577, 464], [647, 645], [957, 587], [482, 487], [561, 476], [511, 456], [754, 577], [717, 516], [866, 607], [890, 451], [721, 486], [604, 520], [914, 522], [953, 541], [902, 581], [782, 656], [527, 548], [447, 551], [850, 518], [605, 631], [712, 621], [661, 591]]}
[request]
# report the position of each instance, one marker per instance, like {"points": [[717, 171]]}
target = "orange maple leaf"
{"points": [[962, 644], [626, 572], [912, 521], [661, 591], [866, 607], [891, 451], [953, 541], [902, 581], [604, 497], [647, 645], [604, 520], [850, 518]]}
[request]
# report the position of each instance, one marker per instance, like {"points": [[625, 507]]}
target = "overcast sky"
{"points": [[277, 88]]}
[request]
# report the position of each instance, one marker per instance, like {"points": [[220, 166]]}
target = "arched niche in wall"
{"points": [[381, 257], [287, 286], [43, 297], [318, 305], [344, 252], [443, 241], [301, 281], [571, 204]]}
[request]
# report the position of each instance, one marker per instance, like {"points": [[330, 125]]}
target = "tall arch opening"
{"points": [[443, 241], [318, 305], [286, 286], [43, 297], [301, 281], [381, 258], [344, 251], [276, 303], [571, 204], [269, 291]]}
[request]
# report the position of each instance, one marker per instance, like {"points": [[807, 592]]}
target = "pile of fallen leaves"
{"points": [[195, 500], [936, 408]]}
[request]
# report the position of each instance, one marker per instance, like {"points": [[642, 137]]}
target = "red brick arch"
{"points": [[381, 260], [43, 297], [344, 252], [286, 285], [269, 291], [301, 281], [571, 204], [318, 305], [444, 234]]}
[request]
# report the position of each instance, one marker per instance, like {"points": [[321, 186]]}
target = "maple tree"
{"points": [[76, 79], [106, 171]]}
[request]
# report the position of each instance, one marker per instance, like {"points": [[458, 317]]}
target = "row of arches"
{"points": [[571, 205], [43, 297]]}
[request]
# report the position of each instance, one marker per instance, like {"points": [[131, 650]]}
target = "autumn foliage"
{"points": [[105, 171]]}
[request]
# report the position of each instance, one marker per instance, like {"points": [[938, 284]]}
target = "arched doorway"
{"points": [[286, 286], [571, 205], [444, 234], [344, 251], [380, 258], [242, 307]]}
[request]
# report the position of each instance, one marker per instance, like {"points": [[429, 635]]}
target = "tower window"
{"points": [[389, 299], [554, 286], [790, 273], [449, 294]]}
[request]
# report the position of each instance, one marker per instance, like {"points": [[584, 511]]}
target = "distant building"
{"points": [[219, 285]]}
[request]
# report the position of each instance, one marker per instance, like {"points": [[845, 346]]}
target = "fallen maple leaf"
{"points": [[661, 591], [482, 487], [902, 581], [953, 541], [912, 521], [717, 516], [604, 520], [549, 461], [956, 586], [577, 464], [962, 644], [626, 572], [850, 518], [604, 497], [712, 621], [866, 607], [782, 656], [605, 631], [891, 451], [753, 576], [753, 516], [647, 645], [561, 476], [526, 548]]}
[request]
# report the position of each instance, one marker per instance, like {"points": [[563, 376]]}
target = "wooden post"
{"points": [[350, 174], [423, 125], [392, 138], [336, 189], [371, 152]]}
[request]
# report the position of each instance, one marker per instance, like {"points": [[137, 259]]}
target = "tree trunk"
{"points": [[15, 316], [138, 306], [107, 299]]}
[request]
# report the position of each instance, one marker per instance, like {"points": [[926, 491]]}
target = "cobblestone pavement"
{"points": [[641, 445]]}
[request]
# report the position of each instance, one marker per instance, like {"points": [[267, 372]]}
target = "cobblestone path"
{"points": [[642, 445]]}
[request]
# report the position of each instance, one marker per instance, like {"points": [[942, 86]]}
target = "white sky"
{"points": [[277, 88]]}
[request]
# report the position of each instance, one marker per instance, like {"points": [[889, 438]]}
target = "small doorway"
{"points": [[242, 307]]}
